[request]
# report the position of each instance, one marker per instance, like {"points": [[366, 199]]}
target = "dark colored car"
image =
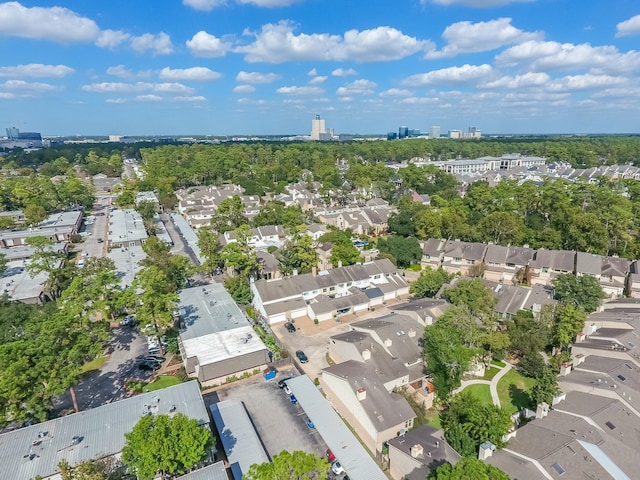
{"points": [[100, 240], [302, 356], [154, 358], [283, 382], [290, 327], [293, 399], [148, 366]]}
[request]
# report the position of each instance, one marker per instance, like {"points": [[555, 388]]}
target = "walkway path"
{"points": [[493, 383]]}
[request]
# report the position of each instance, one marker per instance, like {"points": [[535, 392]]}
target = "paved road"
{"points": [[106, 384]]}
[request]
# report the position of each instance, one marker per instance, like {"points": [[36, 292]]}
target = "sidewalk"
{"points": [[493, 383]]}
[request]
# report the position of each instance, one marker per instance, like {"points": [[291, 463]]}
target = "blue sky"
{"points": [[179, 67]]}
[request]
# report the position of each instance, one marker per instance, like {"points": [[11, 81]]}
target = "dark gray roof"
{"points": [[352, 455], [562, 260], [421, 305], [496, 254], [433, 247], [267, 261], [101, 430], [239, 438], [615, 266], [588, 263], [384, 409], [519, 256], [465, 250], [435, 447]]}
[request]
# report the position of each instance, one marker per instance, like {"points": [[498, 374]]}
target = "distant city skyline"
{"points": [[267, 67]]}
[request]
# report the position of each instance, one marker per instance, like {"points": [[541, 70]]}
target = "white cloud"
{"points": [[357, 87], [204, 5], [7, 95], [456, 75], [119, 87], [31, 87], [519, 81], [318, 80], [201, 74], [160, 44], [122, 72], [56, 24], [475, 3], [36, 70], [149, 98], [269, 3], [111, 38], [172, 88], [256, 77], [116, 100], [277, 43], [244, 89], [585, 82], [467, 37], [189, 99], [546, 56], [628, 27], [420, 100], [203, 44], [342, 72], [396, 92], [312, 73], [300, 90]]}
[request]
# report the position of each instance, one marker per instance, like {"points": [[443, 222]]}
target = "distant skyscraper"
{"points": [[13, 133], [474, 132], [434, 132], [318, 129], [403, 132]]}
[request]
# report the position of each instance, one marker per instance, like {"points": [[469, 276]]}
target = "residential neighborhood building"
{"points": [[58, 227], [126, 229]]}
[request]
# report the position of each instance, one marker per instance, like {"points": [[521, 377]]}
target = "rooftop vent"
{"points": [[417, 451]]}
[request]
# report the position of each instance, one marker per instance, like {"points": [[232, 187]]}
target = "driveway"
{"points": [[107, 384], [97, 230], [280, 424]]}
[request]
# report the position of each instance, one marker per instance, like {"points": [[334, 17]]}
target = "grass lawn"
{"points": [[498, 363], [481, 392], [162, 381], [490, 372], [433, 418], [94, 364], [513, 390]]}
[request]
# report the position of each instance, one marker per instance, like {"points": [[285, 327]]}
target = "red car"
{"points": [[330, 456]]}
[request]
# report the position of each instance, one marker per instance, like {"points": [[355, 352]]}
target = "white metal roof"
{"points": [[224, 345]]}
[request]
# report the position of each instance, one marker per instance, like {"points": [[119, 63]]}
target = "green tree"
{"points": [[46, 259], [468, 468], [239, 255], [568, 322], [34, 214], [298, 254], [429, 282], [344, 254], [406, 251], [584, 291], [107, 468], [474, 294], [230, 215], [147, 211], [239, 289], [165, 444], [297, 465], [177, 268], [545, 388], [208, 243], [3, 263]]}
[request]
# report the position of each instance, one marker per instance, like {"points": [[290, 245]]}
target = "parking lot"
{"points": [[280, 424]]}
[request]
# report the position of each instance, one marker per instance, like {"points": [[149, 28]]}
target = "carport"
{"points": [[355, 459]]}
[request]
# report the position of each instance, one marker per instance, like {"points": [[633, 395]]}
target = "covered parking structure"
{"points": [[355, 459]]}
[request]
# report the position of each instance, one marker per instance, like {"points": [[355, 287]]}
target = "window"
{"points": [[545, 270], [315, 292], [558, 469], [332, 289]]}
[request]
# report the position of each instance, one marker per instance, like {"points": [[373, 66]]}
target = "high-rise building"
{"points": [[403, 132], [434, 132], [13, 133], [318, 129], [474, 132]]}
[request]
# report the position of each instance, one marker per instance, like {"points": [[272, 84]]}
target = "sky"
{"points": [[267, 67]]}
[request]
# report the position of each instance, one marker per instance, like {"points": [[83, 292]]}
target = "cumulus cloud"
{"points": [[36, 70], [312, 73], [628, 27], [465, 74], [122, 72], [56, 24], [30, 87], [149, 98], [530, 79], [159, 44], [256, 77], [116, 100], [357, 87], [119, 87], [475, 3], [300, 90], [244, 89], [173, 87], [420, 100], [467, 37], [200, 74], [396, 92], [343, 72], [318, 80], [547, 56], [187, 99], [277, 43], [585, 82], [111, 38], [203, 44], [203, 5]]}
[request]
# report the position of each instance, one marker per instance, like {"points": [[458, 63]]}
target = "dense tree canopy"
{"points": [[583, 292], [297, 465], [429, 282], [468, 468]]}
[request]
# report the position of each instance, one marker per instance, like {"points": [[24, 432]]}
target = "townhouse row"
{"points": [[523, 265]]}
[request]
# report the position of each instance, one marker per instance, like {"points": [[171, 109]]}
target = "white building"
{"points": [[434, 132], [318, 129]]}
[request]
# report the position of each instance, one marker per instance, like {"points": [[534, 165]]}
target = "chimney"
{"points": [[580, 337], [314, 271], [417, 451], [366, 354], [542, 410], [339, 263], [387, 342], [486, 450], [579, 359], [412, 333], [361, 394], [565, 369]]}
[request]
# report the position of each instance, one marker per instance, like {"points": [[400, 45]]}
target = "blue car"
{"points": [[310, 423], [293, 399]]}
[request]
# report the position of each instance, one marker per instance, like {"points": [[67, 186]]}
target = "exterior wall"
{"points": [[231, 366], [401, 464], [342, 351]]}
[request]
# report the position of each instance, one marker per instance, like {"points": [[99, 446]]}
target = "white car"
{"points": [[337, 468], [286, 389], [81, 263]]}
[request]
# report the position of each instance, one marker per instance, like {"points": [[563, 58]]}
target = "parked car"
{"points": [[81, 263], [302, 356], [287, 390], [330, 455], [154, 358], [293, 399], [310, 423], [148, 366], [128, 320], [337, 468], [290, 327], [100, 240]]}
